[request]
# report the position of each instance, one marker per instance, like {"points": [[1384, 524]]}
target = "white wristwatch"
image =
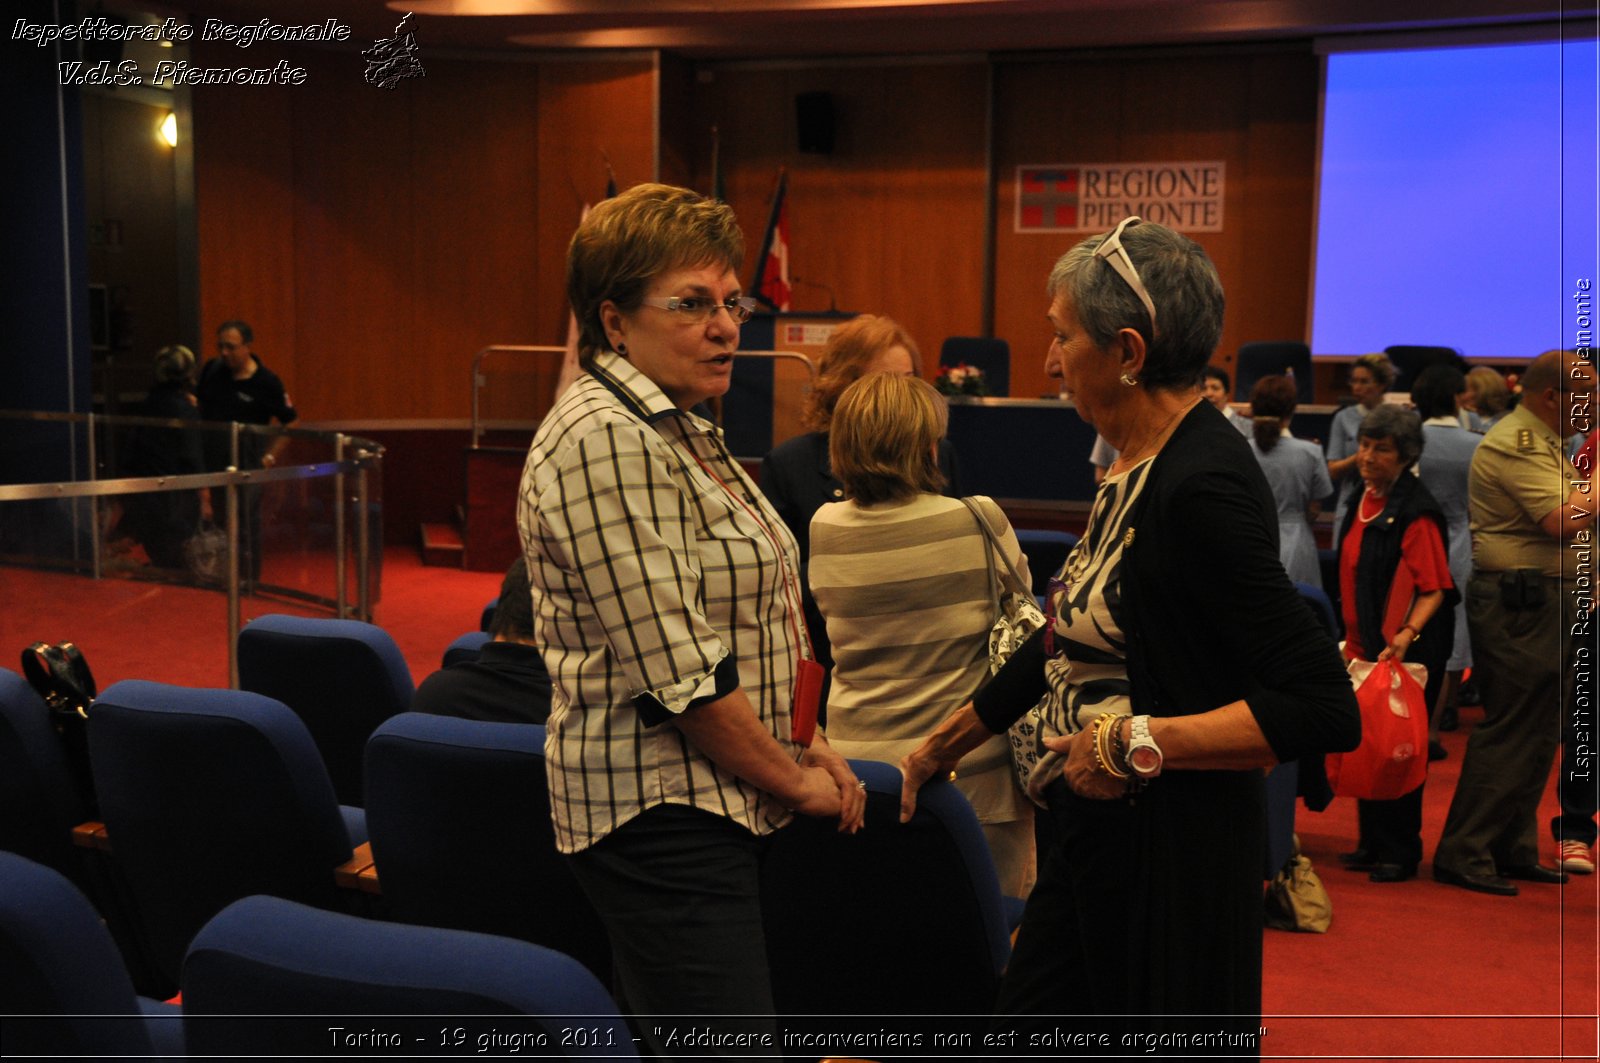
{"points": [[1144, 756]]}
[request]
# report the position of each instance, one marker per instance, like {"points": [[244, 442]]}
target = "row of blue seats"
{"points": [[67, 992], [209, 796]]}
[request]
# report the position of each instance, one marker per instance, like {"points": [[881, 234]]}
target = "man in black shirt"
{"points": [[508, 683], [235, 386]]}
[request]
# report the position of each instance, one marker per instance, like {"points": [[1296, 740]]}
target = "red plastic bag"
{"points": [[1392, 759]]}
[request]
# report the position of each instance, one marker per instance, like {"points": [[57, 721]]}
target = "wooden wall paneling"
{"points": [[892, 220], [1044, 112], [354, 204], [589, 110], [476, 275], [1281, 154], [1256, 111], [244, 195]]}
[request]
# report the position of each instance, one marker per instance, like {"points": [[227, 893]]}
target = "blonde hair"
{"points": [[1379, 366], [629, 240], [882, 443], [1489, 392], [174, 364], [850, 349]]}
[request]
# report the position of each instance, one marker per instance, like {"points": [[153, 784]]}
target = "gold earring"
{"points": [[1129, 380]]}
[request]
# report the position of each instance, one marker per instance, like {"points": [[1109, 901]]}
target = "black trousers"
{"points": [[1392, 830], [679, 891]]}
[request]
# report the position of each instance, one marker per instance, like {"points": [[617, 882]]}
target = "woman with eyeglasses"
{"points": [[667, 603], [1397, 599], [1167, 689]]}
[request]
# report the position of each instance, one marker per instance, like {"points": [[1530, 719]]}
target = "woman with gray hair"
{"points": [[1394, 584], [1165, 690]]}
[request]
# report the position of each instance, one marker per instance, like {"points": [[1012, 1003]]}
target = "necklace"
{"points": [[1129, 460], [1361, 507]]}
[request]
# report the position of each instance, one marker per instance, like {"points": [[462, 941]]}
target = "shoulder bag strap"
{"points": [[995, 590], [994, 543]]}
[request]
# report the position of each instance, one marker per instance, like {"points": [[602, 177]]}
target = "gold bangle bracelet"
{"points": [[1102, 753]]}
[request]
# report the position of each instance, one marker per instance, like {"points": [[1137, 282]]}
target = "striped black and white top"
{"points": [[654, 589], [1087, 671]]}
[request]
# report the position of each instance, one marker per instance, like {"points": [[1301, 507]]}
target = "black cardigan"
{"points": [[1210, 615], [1381, 541]]}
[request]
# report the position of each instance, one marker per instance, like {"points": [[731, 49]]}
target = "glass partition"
{"points": [[255, 519]]}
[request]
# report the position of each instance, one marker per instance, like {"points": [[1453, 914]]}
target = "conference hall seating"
{"points": [[993, 356], [848, 916], [1269, 358], [264, 956], [459, 816], [66, 991], [342, 677], [209, 796]]}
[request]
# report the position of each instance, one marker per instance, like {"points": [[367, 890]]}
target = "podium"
{"points": [[767, 399]]}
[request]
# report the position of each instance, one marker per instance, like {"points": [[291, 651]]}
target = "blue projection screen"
{"points": [[1457, 199]]}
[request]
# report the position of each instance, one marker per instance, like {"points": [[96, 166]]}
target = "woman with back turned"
{"points": [[1168, 689], [902, 575], [1296, 472]]}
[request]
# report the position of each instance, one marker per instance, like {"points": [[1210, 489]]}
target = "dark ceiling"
{"points": [[768, 29]]}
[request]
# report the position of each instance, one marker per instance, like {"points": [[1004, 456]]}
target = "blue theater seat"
{"points": [[65, 990], [848, 916], [209, 796], [342, 677], [264, 956], [461, 835]]}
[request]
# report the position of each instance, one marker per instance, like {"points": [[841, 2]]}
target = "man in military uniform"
{"points": [[1524, 511]]}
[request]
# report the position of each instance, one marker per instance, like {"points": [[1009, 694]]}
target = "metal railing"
{"points": [[353, 457], [480, 380]]}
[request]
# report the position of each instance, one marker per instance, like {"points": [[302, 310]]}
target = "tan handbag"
{"points": [[1296, 898]]}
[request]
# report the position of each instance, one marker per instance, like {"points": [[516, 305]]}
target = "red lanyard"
{"points": [[791, 606]]}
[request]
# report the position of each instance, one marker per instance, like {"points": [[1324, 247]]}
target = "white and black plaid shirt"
{"points": [[653, 589]]}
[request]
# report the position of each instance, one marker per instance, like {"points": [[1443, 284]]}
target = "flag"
{"points": [[772, 264]]}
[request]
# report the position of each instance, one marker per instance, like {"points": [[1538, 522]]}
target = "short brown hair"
{"points": [[852, 345], [630, 239], [881, 444]]}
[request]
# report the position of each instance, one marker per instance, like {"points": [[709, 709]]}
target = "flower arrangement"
{"points": [[961, 379]]}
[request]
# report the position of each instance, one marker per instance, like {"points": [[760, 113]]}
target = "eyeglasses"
{"points": [[698, 309], [1116, 256]]}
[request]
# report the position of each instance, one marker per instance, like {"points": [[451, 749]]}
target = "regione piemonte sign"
{"points": [[1075, 197]]}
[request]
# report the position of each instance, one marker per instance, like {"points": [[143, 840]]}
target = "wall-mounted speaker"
{"points": [[814, 120]]}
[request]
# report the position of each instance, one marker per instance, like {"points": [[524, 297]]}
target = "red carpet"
{"points": [[1414, 970]]}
